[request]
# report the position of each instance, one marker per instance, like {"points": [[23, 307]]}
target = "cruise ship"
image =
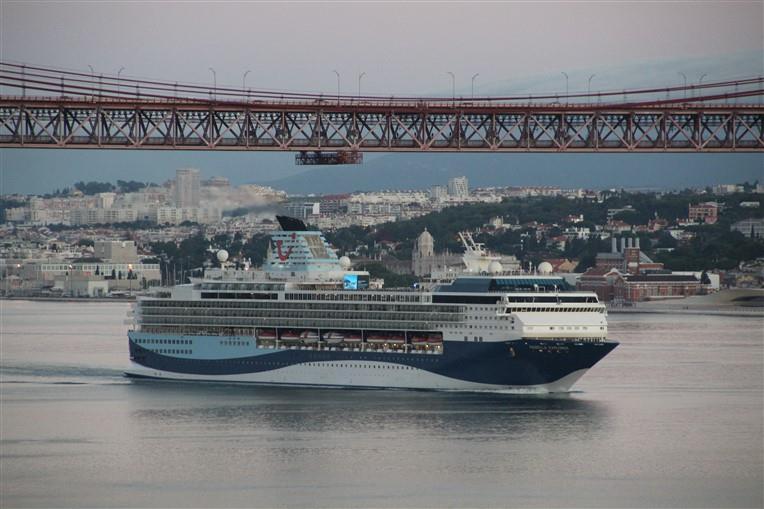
{"points": [[307, 319]]}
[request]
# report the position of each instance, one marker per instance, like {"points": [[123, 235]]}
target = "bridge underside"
{"points": [[70, 123]]}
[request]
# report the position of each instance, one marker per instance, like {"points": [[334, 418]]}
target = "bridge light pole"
{"points": [[589, 86], [359, 82], [473, 83], [92, 76], [566, 86], [244, 83], [118, 73], [244, 80], [214, 84], [453, 85], [683, 75], [700, 82], [338, 84]]}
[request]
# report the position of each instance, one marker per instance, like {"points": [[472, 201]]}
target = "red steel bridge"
{"points": [[65, 109]]}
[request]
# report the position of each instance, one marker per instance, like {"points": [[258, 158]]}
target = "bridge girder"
{"points": [[377, 127]]}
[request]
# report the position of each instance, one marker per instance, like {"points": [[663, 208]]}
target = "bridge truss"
{"points": [[136, 116]]}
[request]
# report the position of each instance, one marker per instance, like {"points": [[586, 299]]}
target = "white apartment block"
{"points": [[459, 187], [187, 184]]}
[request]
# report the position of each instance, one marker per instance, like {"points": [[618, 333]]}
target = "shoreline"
{"points": [[740, 311], [755, 313], [72, 299]]}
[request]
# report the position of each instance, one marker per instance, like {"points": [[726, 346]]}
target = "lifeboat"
{"points": [[419, 339], [266, 334], [353, 337], [377, 337], [290, 335], [309, 336], [435, 339], [336, 337]]}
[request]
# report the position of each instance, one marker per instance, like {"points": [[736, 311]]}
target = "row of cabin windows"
{"points": [[155, 341], [173, 352], [234, 343], [277, 364], [556, 310], [339, 315], [148, 305], [364, 366], [360, 296]]}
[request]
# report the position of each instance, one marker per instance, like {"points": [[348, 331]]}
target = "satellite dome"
{"points": [[345, 262], [495, 267], [545, 268], [222, 255]]}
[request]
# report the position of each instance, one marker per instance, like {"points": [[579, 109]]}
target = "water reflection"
{"points": [[455, 415]]}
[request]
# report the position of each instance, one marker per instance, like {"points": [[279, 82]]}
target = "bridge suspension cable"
{"points": [[82, 110], [116, 87]]}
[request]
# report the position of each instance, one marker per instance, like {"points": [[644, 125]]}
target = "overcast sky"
{"points": [[404, 48]]}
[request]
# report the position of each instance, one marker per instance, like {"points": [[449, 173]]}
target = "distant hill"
{"points": [[595, 171]]}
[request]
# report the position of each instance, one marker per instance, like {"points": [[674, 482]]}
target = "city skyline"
{"points": [[551, 47]]}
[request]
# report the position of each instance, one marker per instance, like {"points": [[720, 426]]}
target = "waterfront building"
{"points": [[641, 287], [118, 251]]}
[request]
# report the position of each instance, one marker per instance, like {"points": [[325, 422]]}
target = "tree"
{"points": [[91, 188], [131, 186]]}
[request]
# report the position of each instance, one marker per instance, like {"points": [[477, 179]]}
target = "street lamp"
{"points": [[92, 76], [338, 83], [453, 84], [566, 86], [214, 83], [473, 83], [683, 75], [118, 73], [359, 82], [244, 81], [589, 86], [700, 82]]}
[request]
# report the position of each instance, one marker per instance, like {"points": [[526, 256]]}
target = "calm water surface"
{"points": [[673, 417]]}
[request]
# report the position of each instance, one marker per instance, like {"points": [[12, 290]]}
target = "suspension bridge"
{"points": [[49, 108]]}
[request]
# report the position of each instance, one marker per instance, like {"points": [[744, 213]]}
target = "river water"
{"points": [[672, 418]]}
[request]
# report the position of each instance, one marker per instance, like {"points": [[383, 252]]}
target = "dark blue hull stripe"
{"points": [[511, 363]]}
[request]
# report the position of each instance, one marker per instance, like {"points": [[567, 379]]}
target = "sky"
{"points": [[403, 47]]}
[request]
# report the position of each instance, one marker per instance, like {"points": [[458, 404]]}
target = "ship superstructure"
{"points": [[306, 319]]}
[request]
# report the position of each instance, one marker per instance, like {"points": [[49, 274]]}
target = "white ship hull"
{"points": [[356, 374]]}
